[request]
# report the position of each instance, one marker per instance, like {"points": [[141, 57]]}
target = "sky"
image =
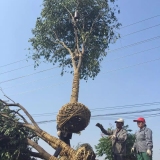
{"points": [[130, 74]]}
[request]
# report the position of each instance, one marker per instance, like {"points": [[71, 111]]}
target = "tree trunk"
{"points": [[55, 142], [75, 88]]}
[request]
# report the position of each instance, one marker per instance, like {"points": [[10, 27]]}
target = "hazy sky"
{"points": [[128, 76]]}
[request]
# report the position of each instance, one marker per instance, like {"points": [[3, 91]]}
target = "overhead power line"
{"points": [[128, 55], [134, 44], [102, 73], [28, 75], [38, 89], [140, 30], [13, 63], [16, 69], [139, 21], [147, 40], [128, 117], [114, 70], [129, 106], [28, 82], [111, 118], [124, 113], [121, 57], [120, 28]]}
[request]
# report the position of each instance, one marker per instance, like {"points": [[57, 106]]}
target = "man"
{"points": [[65, 137], [143, 143], [118, 137]]}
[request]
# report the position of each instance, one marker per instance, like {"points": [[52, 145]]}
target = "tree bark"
{"points": [[56, 142], [75, 88], [41, 151]]}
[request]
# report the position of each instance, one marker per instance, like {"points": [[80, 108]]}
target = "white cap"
{"points": [[119, 120]]}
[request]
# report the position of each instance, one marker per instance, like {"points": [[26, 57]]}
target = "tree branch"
{"points": [[24, 110], [35, 154], [17, 112], [41, 151], [68, 49], [71, 53]]}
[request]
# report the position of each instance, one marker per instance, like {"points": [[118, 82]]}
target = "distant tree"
{"points": [[104, 147]]}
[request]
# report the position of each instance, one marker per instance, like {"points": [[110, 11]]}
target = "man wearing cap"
{"points": [[143, 143], [118, 137]]}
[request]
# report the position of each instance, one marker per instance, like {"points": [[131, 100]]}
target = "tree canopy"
{"points": [[75, 33]]}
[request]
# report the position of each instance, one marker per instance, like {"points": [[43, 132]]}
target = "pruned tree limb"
{"points": [[41, 151], [17, 112], [35, 154], [24, 110]]}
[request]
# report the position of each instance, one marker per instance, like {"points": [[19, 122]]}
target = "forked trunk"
{"points": [[75, 88]]}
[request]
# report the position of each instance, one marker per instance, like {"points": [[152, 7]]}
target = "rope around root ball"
{"points": [[85, 152], [73, 117]]}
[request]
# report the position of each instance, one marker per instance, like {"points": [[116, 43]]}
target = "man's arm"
{"points": [[148, 134], [103, 130]]}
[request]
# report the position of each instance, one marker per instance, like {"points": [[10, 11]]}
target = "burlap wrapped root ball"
{"points": [[73, 117], [85, 152]]}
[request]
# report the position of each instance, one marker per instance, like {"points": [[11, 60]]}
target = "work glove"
{"points": [[149, 153], [113, 137], [99, 125], [58, 133], [132, 150]]}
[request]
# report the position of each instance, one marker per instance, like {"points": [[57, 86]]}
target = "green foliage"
{"points": [[95, 30], [104, 147], [12, 138]]}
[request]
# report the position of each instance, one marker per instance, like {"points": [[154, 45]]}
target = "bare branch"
{"points": [[33, 136], [24, 110], [5, 95], [68, 49], [21, 124], [9, 98], [17, 112], [41, 151], [71, 53], [35, 154]]}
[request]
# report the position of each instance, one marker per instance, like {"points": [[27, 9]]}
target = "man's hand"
{"points": [[132, 150], [99, 125], [58, 133], [149, 153], [113, 137]]}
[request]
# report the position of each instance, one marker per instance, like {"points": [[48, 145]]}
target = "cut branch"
{"points": [[17, 112], [24, 110], [35, 154], [41, 151]]}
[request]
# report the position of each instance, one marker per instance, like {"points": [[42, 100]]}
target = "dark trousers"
{"points": [[118, 157], [58, 150]]}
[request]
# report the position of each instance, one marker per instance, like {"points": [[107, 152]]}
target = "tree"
{"points": [[12, 138], [104, 147], [75, 35]]}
